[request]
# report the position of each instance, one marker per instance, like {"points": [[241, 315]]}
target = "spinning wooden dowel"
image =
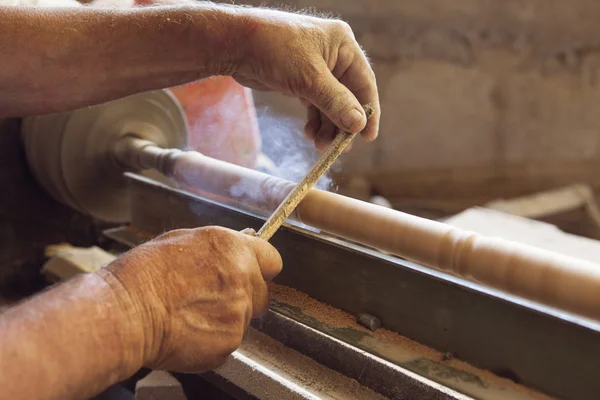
{"points": [[550, 278]]}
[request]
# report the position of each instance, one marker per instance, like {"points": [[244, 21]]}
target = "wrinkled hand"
{"points": [[317, 60], [196, 291]]}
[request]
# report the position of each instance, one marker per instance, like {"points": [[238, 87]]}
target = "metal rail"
{"points": [[528, 343]]}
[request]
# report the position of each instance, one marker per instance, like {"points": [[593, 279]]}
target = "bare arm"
{"points": [[69, 343], [63, 58], [181, 302]]}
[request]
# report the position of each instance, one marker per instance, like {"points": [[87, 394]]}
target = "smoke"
{"points": [[290, 155], [284, 143]]}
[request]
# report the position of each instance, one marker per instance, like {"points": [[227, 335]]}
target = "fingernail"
{"points": [[351, 119]]}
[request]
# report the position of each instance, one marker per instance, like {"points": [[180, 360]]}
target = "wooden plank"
{"points": [[573, 209], [67, 261]]}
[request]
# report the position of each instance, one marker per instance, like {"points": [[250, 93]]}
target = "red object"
{"points": [[222, 119], [220, 113]]}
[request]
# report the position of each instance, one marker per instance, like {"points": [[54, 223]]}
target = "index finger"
{"points": [[360, 79]]}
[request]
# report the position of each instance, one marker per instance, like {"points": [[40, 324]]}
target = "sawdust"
{"points": [[338, 319], [387, 342], [311, 307]]}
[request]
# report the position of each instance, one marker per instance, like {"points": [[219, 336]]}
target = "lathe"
{"points": [[371, 302]]}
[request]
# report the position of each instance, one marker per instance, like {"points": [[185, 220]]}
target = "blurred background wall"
{"points": [[480, 98]]}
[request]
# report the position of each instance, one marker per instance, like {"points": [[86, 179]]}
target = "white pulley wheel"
{"points": [[70, 153]]}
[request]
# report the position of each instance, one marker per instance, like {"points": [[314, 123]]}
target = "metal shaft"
{"points": [[287, 206]]}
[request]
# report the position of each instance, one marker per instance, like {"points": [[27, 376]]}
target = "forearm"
{"points": [[70, 342], [65, 58]]}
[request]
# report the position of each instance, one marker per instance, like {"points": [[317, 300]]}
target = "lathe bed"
{"points": [[433, 323]]}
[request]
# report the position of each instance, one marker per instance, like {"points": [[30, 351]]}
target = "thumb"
{"points": [[269, 259], [337, 102]]}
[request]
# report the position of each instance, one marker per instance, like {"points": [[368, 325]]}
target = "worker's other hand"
{"points": [[196, 291], [317, 60]]}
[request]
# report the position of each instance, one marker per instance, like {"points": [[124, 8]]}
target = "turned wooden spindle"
{"points": [[552, 279]]}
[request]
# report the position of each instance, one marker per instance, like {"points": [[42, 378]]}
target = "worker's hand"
{"points": [[196, 291], [317, 60]]}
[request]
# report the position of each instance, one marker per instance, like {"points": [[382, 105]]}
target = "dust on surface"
{"points": [[403, 351], [338, 319], [309, 375]]}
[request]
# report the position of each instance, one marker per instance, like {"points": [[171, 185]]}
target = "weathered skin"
{"points": [[183, 301], [65, 58]]}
